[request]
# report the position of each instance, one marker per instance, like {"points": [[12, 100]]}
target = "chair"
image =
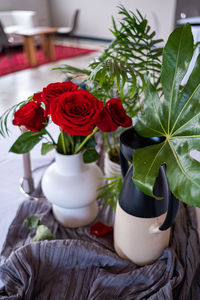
{"points": [[68, 31], [4, 41]]}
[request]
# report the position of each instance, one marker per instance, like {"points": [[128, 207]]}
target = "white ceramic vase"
{"points": [[111, 169], [71, 186]]}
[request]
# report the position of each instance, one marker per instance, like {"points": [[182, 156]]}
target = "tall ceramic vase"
{"points": [[142, 223], [71, 186]]}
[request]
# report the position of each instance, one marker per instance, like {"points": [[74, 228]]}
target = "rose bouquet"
{"points": [[76, 112]]}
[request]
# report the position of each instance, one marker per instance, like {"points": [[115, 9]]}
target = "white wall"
{"points": [[40, 6], [95, 17]]}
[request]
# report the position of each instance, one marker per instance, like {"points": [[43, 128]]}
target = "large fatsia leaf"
{"points": [[177, 119]]}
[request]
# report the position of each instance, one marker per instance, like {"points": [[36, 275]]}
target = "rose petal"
{"points": [[105, 122], [100, 229]]}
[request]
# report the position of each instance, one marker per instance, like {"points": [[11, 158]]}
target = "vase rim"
{"points": [[132, 140], [62, 155]]}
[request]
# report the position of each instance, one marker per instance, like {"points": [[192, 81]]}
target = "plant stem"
{"points": [[85, 140], [50, 136], [72, 142], [63, 142], [114, 139], [107, 140]]}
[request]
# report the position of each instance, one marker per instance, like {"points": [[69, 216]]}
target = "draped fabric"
{"points": [[78, 265]]}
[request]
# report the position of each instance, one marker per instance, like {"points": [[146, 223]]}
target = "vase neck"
{"points": [[69, 164]]}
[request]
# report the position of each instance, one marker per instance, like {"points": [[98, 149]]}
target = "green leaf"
{"points": [[43, 233], [32, 222], [177, 55], [177, 119], [65, 141], [110, 191], [26, 142], [90, 155], [46, 147], [72, 70]]}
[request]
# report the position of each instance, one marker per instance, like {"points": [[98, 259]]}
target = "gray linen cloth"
{"points": [[79, 265]]}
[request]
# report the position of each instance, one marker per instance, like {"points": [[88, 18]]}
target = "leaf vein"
{"points": [[172, 90], [185, 106], [158, 117], [186, 124], [155, 158], [181, 167]]}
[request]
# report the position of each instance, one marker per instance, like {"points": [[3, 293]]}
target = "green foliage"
{"points": [[110, 191], [177, 118], [42, 232], [46, 147], [119, 70], [90, 155], [70, 144], [26, 142], [32, 222]]}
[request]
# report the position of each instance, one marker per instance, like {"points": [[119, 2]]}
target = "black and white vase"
{"points": [[142, 223]]}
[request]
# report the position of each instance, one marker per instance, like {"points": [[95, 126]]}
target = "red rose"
{"points": [[53, 90], [112, 116], [77, 112], [31, 115], [37, 97]]}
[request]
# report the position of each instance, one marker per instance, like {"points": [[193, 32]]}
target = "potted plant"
{"points": [[171, 119]]}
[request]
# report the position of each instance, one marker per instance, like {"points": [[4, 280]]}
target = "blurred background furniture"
{"points": [[5, 43], [15, 20], [69, 31], [46, 40], [4, 40]]}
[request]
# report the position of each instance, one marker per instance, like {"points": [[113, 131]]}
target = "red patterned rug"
{"points": [[15, 60]]}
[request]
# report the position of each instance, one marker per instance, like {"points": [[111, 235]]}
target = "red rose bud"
{"points": [[76, 113], [112, 116], [31, 115], [37, 97], [53, 90], [100, 229]]}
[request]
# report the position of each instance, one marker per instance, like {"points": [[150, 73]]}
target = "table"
{"points": [[46, 40]]}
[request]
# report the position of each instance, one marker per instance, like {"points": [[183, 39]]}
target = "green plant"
{"points": [[119, 70], [176, 117], [110, 191]]}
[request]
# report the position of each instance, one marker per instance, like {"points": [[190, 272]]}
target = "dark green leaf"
{"points": [[32, 222], [90, 155], [26, 142]]}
